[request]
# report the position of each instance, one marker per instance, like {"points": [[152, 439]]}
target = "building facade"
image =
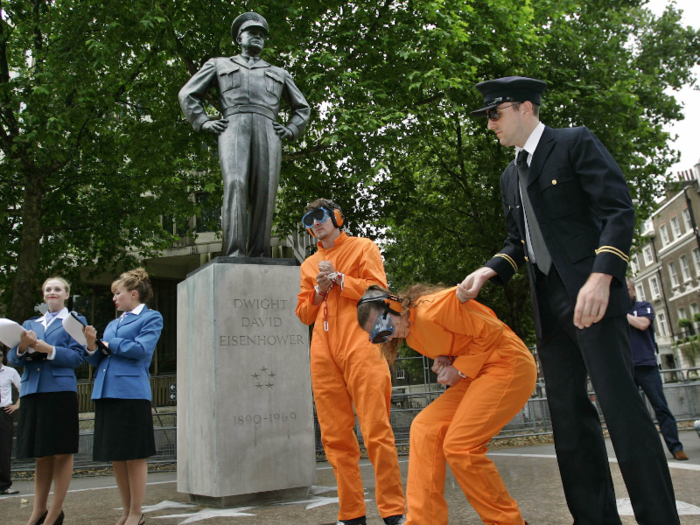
{"points": [[666, 269]]}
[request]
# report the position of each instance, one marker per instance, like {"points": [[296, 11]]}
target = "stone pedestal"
{"points": [[245, 429]]}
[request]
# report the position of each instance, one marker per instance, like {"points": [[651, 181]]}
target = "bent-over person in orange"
{"points": [[346, 369], [491, 375]]}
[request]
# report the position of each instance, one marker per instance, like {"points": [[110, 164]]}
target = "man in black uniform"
{"points": [[250, 138], [569, 214]]}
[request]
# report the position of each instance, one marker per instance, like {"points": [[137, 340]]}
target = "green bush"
{"points": [[683, 323]]}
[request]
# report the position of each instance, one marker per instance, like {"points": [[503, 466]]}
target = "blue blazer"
{"points": [[124, 374], [57, 375]]}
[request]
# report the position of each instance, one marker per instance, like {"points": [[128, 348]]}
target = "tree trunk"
{"points": [[25, 283]]}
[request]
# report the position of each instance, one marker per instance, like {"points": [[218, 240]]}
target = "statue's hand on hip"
{"points": [[215, 126], [282, 131]]}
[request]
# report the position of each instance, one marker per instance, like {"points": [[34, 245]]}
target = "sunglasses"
{"points": [[319, 214], [495, 113]]}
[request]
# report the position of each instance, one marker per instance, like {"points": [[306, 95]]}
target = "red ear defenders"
{"points": [[328, 210]]}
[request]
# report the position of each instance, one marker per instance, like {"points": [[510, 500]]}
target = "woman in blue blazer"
{"points": [[48, 421], [122, 391]]}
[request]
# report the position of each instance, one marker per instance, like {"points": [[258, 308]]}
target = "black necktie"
{"points": [[542, 257]]}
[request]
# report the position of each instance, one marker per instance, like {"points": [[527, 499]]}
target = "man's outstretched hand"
{"points": [[472, 284]]}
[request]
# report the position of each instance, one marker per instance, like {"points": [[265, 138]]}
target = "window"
{"points": [[634, 261], [209, 220], [681, 313], [648, 255], [178, 228], [676, 227], [674, 274], [400, 373], [661, 324], [639, 292], [694, 310], [664, 235], [685, 268], [654, 286], [696, 261], [686, 220]]}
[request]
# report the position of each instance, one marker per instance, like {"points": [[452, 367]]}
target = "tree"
{"points": [[90, 157]]}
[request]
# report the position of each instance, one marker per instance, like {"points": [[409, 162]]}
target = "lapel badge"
{"points": [[554, 182]]}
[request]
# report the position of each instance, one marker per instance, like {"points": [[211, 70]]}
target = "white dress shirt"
{"points": [[8, 377], [530, 146]]}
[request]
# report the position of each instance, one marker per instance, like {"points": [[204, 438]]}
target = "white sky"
{"points": [[688, 130]]}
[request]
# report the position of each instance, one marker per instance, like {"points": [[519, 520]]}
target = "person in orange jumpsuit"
{"points": [[346, 369], [491, 375]]}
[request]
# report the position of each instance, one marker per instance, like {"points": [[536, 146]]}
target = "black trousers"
{"points": [[648, 379], [568, 356], [6, 429]]}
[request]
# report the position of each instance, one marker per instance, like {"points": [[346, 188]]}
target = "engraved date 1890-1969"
{"points": [[259, 419]]}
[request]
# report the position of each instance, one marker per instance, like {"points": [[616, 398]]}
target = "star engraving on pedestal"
{"points": [[264, 377]]}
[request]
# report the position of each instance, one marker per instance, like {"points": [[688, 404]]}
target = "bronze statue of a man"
{"points": [[250, 138]]}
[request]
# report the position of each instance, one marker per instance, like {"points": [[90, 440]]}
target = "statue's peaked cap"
{"points": [[247, 20]]}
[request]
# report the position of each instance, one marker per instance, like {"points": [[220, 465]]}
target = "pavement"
{"points": [[530, 473]]}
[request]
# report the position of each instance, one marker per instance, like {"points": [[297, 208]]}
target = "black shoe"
{"points": [[399, 519], [40, 521], [142, 521], [59, 520], [9, 491], [362, 520]]}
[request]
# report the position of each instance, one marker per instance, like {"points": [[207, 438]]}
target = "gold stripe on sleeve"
{"points": [[509, 259], [613, 250]]}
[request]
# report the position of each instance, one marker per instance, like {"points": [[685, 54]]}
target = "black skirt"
{"points": [[123, 430], [48, 425]]}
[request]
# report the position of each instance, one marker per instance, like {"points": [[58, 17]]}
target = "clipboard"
{"points": [[10, 333], [74, 326], [11, 336]]}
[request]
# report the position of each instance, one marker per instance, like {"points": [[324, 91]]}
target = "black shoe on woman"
{"points": [[41, 519], [59, 520]]}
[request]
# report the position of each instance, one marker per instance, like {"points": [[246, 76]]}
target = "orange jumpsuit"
{"points": [[347, 369], [456, 427]]}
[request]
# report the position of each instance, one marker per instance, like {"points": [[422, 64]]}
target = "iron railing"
{"points": [[682, 390]]}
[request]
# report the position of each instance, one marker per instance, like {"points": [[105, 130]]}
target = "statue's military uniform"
{"points": [[250, 151]]}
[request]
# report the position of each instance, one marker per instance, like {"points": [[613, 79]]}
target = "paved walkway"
{"points": [[529, 472]]}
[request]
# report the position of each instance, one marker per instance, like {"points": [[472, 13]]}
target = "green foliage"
{"points": [[690, 348], [684, 323], [696, 317]]}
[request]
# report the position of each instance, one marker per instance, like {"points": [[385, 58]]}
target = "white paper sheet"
{"points": [[10, 332], [74, 329]]}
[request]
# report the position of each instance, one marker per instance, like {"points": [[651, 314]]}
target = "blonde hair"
{"points": [[59, 279], [411, 298], [138, 280]]}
